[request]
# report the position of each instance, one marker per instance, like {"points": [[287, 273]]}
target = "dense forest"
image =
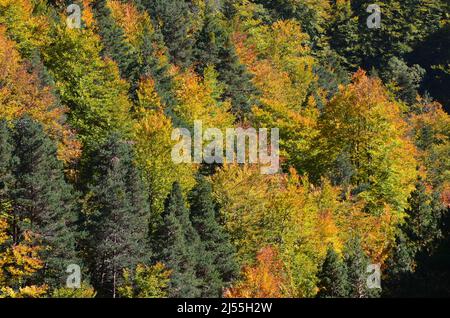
{"points": [[92, 204]]}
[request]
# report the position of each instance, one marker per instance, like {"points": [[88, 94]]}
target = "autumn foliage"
{"points": [[87, 121], [264, 280]]}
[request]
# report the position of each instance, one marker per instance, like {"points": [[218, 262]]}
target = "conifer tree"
{"points": [[178, 247], [173, 17], [214, 48], [42, 201], [154, 68], [356, 262], [311, 14], [6, 148], [423, 217], [113, 40], [116, 216], [333, 280], [372, 47], [219, 251], [404, 79], [416, 237]]}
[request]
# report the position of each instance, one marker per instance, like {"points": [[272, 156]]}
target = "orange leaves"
{"points": [[445, 196], [278, 57], [88, 15], [366, 126], [283, 211], [376, 231], [281, 66], [29, 30], [264, 280], [22, 93], [131, 20]]}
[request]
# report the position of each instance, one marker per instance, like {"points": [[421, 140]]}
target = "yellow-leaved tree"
{"points": [[281, 64], [284, 211], [22, 93], [367, 125], [26, 27], [152, 134], [199, 99], [18, 262]]}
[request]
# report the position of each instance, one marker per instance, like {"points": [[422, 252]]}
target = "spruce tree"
{"points": [[308, 13], [407, 79], [219, 254], [356, 262], [423, 217], [214, 47], [6, 149], [333, 280], [42, 201], [174, 18], [151, 66], [178, 246], [416, 238], [113, 40], [116, 216], [343, 33]]}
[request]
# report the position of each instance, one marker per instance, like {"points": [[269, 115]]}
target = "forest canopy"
{"points": [[92, 90]]}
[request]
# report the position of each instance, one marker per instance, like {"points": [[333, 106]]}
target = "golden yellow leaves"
{"points": [[153, 144], [198, 100], [133, 22], [22, 93], [17, 263], [29, 30], [265, 280]]}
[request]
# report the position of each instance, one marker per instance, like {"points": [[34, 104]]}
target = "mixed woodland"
{"points": [[87, 178]]}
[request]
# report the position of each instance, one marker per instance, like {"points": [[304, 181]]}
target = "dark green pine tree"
{"points": [[372, 47], [42, 201], [151, 66], [422, 225], [333, 279], [304, 13], [356, 262], [214, 47], [6, 162], [417, 238], [116, 216], [330, 74], [174, 18], [407, 78], [343, 35], [178, 246], [113, 40], [219, 253], [399, 267]]}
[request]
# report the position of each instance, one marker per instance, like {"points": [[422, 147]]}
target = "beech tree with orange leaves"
{"points": [[264, 280]]}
